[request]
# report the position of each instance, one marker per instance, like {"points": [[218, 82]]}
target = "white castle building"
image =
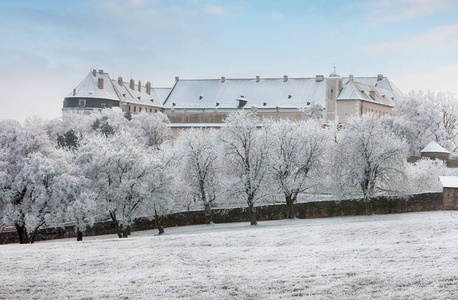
{"points": [[206, 102]]}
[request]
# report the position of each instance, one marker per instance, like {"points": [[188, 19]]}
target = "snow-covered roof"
{"points": [[135, 96], [274, 92], [352, 90], [449, 181], [162, 93], [89, 87], [117, 90], [434, 148], [267, 93]]}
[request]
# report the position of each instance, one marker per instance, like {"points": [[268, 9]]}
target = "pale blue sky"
{"points": [[48, 46]]}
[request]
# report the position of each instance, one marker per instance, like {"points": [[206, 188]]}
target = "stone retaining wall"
{"points": [[381, 205]]}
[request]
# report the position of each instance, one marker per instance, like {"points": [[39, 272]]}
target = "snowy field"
{"points": [[402, 256]]}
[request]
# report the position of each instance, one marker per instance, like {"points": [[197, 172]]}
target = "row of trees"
{"points": [[81, 169], [110, 165]]}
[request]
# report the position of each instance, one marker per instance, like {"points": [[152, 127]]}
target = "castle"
{"points": [[206, 102]]}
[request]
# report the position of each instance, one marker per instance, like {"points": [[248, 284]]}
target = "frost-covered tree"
{"points": [[17, 145], [199, 167], [68, 140], [153, 129], [123, 172], [297, 153], [245, 156], [79, 124], [159, 184], [368, 159], [312, 111], [424, 117], [81, 203], [423, 176], [43, 178]]}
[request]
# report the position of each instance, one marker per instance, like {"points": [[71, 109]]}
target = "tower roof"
{"points": [[434, 147], [334, 74]]}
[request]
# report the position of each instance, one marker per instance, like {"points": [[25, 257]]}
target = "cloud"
{"points": [[436, 39], [396, 10], [214, 10], [218, 10]]}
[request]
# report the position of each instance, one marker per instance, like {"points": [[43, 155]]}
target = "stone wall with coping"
{"points": [[322, 209]]}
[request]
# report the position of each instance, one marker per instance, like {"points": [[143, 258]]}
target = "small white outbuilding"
{"points": [[434, 150], [450, 191]]}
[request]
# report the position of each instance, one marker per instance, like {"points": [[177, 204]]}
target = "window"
{"points": [[135, 108], [129, 107], [102, 105], [82, 103], [150, 110], [139, 109]]}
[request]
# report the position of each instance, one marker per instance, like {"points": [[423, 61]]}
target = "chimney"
{"points": [[148, 87], [120, 80], [223, 79], [101, 71], [379, 77], [177, 78], [350, 77], [258, 78], [74, 92], [319, 78], [100, 82], [139, 86], [94, 72], [132, 84], [285, 78], [372, 94]]}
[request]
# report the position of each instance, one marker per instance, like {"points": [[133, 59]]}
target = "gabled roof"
{"points": [[115, 90], [434, 147], [449, 181], [89, 88], [162, 93], [275, 92], [383, 83], [129, 95], [360, 91], [267, 93]]}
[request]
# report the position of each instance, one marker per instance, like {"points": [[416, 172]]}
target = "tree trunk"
{"points": [[290, 214], [159, 222], [129, 230], [208, 214], [118, 231], [369, 209], [79, 235], [252, 213], [115, 221], [125, 231], [22, 234], [34, 235]]}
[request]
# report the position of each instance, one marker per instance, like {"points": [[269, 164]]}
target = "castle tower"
{"points": [[333, 88]]}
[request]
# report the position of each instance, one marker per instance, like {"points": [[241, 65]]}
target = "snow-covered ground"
{"points": [[401, 256]]}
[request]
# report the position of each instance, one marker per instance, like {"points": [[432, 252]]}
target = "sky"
{"points": [[48, 46]]}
